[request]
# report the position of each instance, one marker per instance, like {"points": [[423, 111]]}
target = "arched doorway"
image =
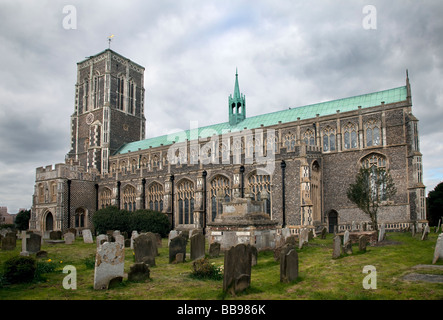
{"points": [[333, 220], [49, 222]]}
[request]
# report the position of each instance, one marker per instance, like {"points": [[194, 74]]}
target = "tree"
{"points": [[144, 220], [22, 219], [111, 218], [372, 187], [435, 204]]}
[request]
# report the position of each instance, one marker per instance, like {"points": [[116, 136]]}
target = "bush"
{"points": [[204, 269], [42, 267], [111, 218], [19, 269], [150, 221]]}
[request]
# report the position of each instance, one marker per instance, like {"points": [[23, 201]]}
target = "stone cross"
{"points": [[24, 237]]}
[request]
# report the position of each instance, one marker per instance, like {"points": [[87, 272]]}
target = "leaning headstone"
{"points": [[438, 226], [133, 236], [438, 252], [145, 249], [424, 236], [381, 233], [237, 269], [9, 241], [109, 264], [139, 271], [177, 245], [288, 266], [362, 242], [33, 245], [214, 250], [197, 246], [69, 238], [345, 237], [337, 247], [347, 247], [303, 237], [254, 255], [172, 235], [87, 236], [323, 233]]}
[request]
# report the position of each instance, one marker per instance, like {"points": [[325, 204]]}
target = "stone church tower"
{"points": [[109, 109]]}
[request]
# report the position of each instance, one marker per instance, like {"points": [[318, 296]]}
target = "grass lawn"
{"points": [[320, 276]]}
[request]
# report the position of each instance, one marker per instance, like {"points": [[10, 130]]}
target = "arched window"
{"points": [[376, 163], [41, 193], [185, 202], [350, 136], [220, 191], [237, 150], [328, 139], [256, 184], [105, 198], [79, 218], [309, 137], [120, 92], [129, 197], [272, 144], [155, 197], [372, 134], [289, 142], [54, 192]]}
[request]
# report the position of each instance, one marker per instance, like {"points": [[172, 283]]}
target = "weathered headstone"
{"points": [[172, 235], [69, 238], [55, 235], [9, 241], [237, 269], [337, 247], [381, 233], [438, 252], [25, 236], [133, 236], [179, 258], [109, 264], [425, 233], [197, 246], [324, 231], [254, 255], [362, 242], [438, 226], [34, 243], [101, 239], [288, 266], [87, 236], [345, 237], [214, 250], [139, 271], [347, 247], [145, 249], [303, 237], [413, 230], [119, 238], [177, 245]]}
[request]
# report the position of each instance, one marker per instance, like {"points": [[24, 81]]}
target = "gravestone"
{"points": [[337, 247], [172, 235], [133, 236], [303, 237], [159, 240], [25, 236], [179, 258], [120, 239], [214, 250], [347, 247], [87, 236], [362, 242], [33, 244], [438, 226], [237, 269], [413, 230], [425, 233], [177, 245], [197, 246], [101, 239], [69, 238], [381, 233], [109, 264], [254, 255], [345, 237], [9, 241], [139, 271], [145, 249], [438, 252], [288, 265], [323, 233], [55, 235]]}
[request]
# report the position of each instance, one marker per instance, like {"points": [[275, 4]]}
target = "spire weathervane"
{"points": [[109, 40]]}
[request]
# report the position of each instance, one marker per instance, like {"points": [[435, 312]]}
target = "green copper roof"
{"points": [[285, 116]]}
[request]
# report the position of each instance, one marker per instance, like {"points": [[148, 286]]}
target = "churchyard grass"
{"points": [[320, 276]]}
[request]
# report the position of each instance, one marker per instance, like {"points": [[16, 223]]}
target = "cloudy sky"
{"points": [[288, 54]]}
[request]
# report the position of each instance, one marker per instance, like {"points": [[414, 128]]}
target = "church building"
{"points": [[298, 162]]}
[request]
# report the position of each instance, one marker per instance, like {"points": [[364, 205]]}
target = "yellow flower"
{"points": [[49, 260], [61, 261]]}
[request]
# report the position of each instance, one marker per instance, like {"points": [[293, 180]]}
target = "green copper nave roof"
{"points": [[269, 119]]}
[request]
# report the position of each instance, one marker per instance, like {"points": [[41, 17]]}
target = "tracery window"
{"points": [[309, 137], [155, 197], [350, 136], [129, 198], [256, 184], [220, 191], [105, 198], [79, 218], [329, 139], [272, 143], [120, 92], [185, 202], [376, 163], [372, 134], [237, 151], [289, 142]]}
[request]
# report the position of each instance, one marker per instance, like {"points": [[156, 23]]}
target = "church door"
{"points": [[49, 223], [333, 220]]}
